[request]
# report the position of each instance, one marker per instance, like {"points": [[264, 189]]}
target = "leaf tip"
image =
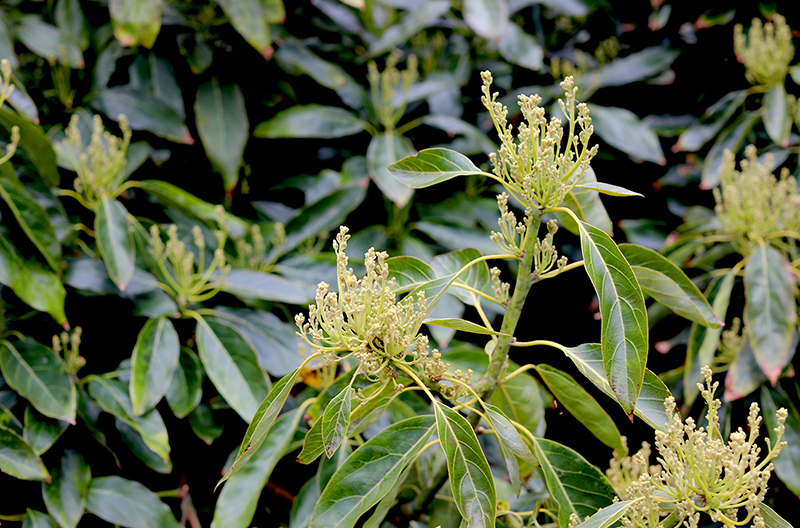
{"points": [[187, 138], [630, 416], [773, 374], [267, 52], [65, 325]]}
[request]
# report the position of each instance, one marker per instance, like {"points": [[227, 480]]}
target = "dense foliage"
{"points": [[174, 174]]}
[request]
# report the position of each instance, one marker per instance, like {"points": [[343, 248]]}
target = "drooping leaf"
{"points": [[154, 359], [731, 139], [624, 317], [387, 502], [623, 130], [312, 444], [33, 219], [668, 284], [115, 240], [336, 421], [329, 466], [127, 503], [237, 502], [608, 516], [586, 205], [383, 150], [512, 444], [42, 432], [787, 464], [135, 442], [36, 145], [65, 497], [631, 68], [582, 406], [777, 117], [431, 166], [39, 375], [186, 386], [144, 112], [223, 127], [311, 121], [693, 138], [518, 47], [520, 400], [370, 472], [47, 40], [487, 18], [136, 22], [37, 519], [770, 313], [262, 422], [743, 376], [607, 188], [462, 326], [411, 24], [252, 284], [72, 22], [250, 20], [470, 476], [18, 459], [203, 425]]}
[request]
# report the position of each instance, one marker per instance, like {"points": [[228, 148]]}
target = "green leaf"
{"points": [[312, 444], [7, 44], [582, 406], [115, 240], [411, 24], [303, 505], [112, 396], [266, 286], [223, 127], [772, 519], [577, 486], [127, 503], [65, 497], [518, 47], [512, 444], [731, 139], [743, 376], [18, 459], [37, 519], [383, 150], [36, 145], [487, 18], [370, 472], [144, 112], [136, 22], [777, 116], [336, 421], [693, 138], [154, 359], [623, 130], [42, 432], [521, 400], [624, 317], [40, 376], [650, 405], [203, 425], [135, 442], [462, 326], [237, 502], [173, 196], [231, 366], [250, 20], [47, 40], [431, 166], [262, 422], [470, 476], [631, 68], [409, 272], [608, 516], [787, 464], [586, 204], [387, 502], [186, 387], [311, 121], [607, 188], [34, 221], [770, 314], [668, 284], [70, 19]]}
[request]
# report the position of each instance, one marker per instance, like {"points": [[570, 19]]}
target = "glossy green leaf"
{"points": [[370, 472], [203, 425], [650, 405], [777, 116], [42, 432], [336, 421], [582, 406], [772, 519], [608, 516], [787, 464], [144, 112], [231, 366], [577, 486], [607, 188], [173, 196], [431, 166], [521, 400], [311, 121], [586, 204], [262, 422], [693, 138], [634, 67], [731, 139], [364, 415], [223, 127], [154, 359], [329, 466], [518, 47], [409, 273], [383, 150], [624, 130], [72, 22], [267, 286], [135, 442], [303, 505], [470, 475], [743, 376], [115, 240], [512, 444], [237, 502], [47, 40], [39, 375], [295, 57], [127, 503], [312, 444], [387, 502], [462, 326], [136, 22], [668, 284], [37, 519], [65, 497], [186, 387], [36, 145], [412, 23], [487, 18], [250, 20], [624, 317], [112, 396], [770, 313], [18, 459], [34, 221]]}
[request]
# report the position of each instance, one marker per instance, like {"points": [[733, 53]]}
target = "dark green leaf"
{"points": [[144, 112], [138, 447], [203, 424], [623, 130], [186, 387], [311, 121], [40, 376], [34, 221], [336, 421], [487, 18], [37, 519], [65, 497], [154, 359], [250, 20], [624, 317], [223, 127], [128, 503], [521, 400], [36, 145], [586, 204], [387, 502], [312, 444], [431, 166], [731, 139], [42, 432], [462, 326], [267, 286], [115, 240], [631, 68], [411, 24], [512, 444], [69, 18], [743, 375], [518, 47], [770, 313], [668, 284], [787, 464], [385, 149], [47, 40], [262, 422], [136, 22], [18, 459], [777, 116], [370, 472], [303, 505], [693, 138]]}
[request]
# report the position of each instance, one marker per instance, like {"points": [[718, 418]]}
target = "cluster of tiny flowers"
{"points": [[253, 254], [389, 87], [753, 203], [510, 228], [501, 289], [186, 277], [766, 51], [535, 167], [545, 255], [699, 472], [69, 344], [6, 89], [101, 165], [365, 319]]}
